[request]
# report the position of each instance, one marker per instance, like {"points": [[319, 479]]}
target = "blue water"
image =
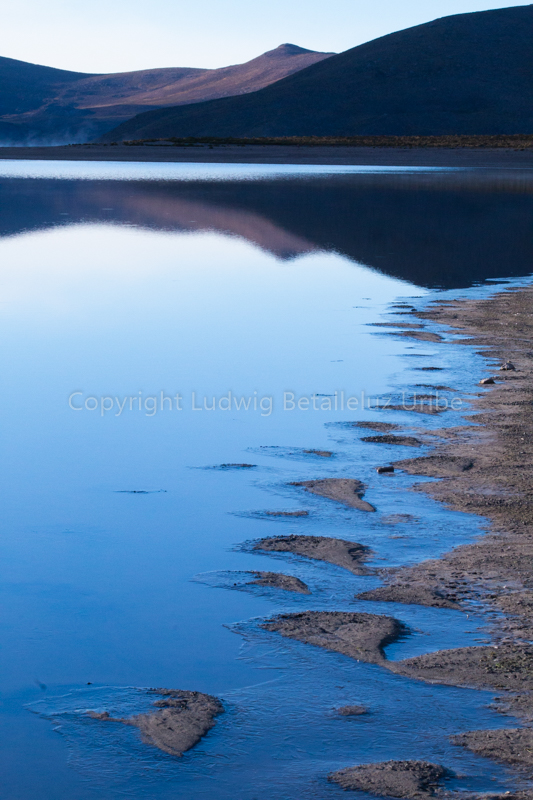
{"points": [[122, 539]]}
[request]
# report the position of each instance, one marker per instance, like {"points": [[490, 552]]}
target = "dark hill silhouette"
{"points": [[39, 103], [467, 73]]}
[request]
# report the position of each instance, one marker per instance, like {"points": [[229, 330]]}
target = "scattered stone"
{"points": [[321, 453], [340, 552], [409, 779], [347, 491], [181, 720], [384, 470], [278, 580], [358, 635]]}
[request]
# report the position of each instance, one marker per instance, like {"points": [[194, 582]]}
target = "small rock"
{"points": [[486, 381], [507, 366], [382, 470]]}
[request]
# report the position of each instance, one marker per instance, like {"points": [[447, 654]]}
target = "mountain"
{"points": [[467, 73], [41, 103]]}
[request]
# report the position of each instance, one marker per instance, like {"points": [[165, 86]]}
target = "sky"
{"points": [[122, 35]]}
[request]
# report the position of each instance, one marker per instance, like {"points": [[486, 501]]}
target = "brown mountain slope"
{"points": [[89, 105]]}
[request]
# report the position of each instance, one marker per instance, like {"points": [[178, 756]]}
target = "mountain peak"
{"points": [[287, 49]]}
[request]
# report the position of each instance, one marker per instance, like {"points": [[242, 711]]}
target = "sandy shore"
{"points": [[282, 154]]}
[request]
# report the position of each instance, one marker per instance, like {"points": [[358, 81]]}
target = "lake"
{"points": [[162, 325]]}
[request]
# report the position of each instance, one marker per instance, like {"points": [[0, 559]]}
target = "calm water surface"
{"points": [[122, 535]]}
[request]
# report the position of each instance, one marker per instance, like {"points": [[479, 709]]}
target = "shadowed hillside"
{"points": [[468, 73], [39, 103]]}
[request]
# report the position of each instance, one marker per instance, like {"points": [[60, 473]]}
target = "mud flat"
{"points": [[384, 427], [277, 580], [180, 720], [358, 635], [406, 441], [410, 779], [486, 468], [347, 491], [340, 552], [512, 745]]}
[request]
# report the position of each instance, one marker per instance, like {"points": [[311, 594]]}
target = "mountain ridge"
{"points": [[45, 102], [462, 74]]}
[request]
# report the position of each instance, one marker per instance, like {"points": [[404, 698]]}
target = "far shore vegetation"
{"points": [[508, 141]]}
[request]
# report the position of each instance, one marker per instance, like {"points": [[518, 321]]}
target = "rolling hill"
{"points": [[463, 74], [41, 103]]}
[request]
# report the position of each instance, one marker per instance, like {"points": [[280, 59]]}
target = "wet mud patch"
{"points": [[410, 779], [225, 467], [342, 553], [436, 466], [358, 635], [409, 595], [375, 426], [507, 667], [347, 491], [508, 745], [405, 441], [249, 580], [303, 453], [351, 711], [140, 491], [178, 722], [278, 580]]}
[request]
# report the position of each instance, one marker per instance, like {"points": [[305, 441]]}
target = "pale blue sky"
{"points": [[121, 35]]}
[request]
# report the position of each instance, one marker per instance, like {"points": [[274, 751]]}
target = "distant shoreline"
{"points": [[331, 154]]}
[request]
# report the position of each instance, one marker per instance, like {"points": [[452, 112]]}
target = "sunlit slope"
{"points": [[42, 103]]}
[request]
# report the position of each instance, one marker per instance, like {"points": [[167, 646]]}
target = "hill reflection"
{"points": [[448, 230]]}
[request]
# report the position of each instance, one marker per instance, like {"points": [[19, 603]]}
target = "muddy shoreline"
{"points": [[483, 467]]}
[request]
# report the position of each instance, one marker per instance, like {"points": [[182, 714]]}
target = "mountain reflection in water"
{"points": [[438, 230]]}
